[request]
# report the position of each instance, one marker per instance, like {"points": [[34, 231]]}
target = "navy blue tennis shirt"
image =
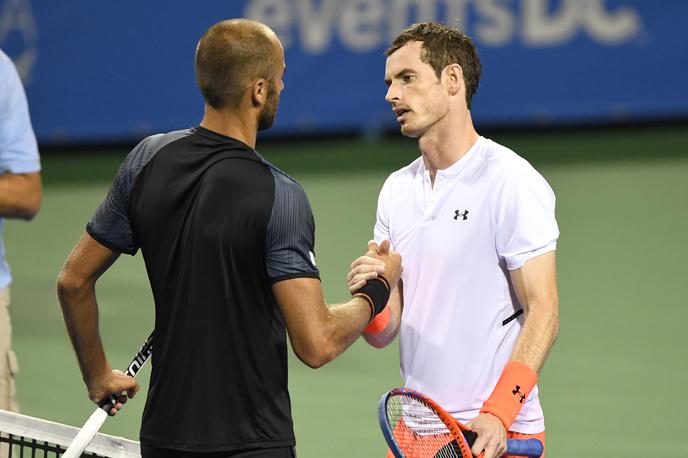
{"points": [[217, 225]]}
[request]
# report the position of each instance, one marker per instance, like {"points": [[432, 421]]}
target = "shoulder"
{"points": [[284, 184], [408, 171], [500, 157], [510, 178], [155, 143], [10, 82], [159, 141], [149, 146], [401, 177], [6, 63], [502, 164], [7, 67]]}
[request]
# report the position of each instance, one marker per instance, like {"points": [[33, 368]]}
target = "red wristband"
{"points": [[379, 323], [512, 390]]}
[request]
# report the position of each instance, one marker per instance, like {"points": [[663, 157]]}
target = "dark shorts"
{"points": [[282, 452]]}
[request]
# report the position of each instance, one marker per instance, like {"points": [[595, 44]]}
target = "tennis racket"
{"points": [[415, 426], [98, 417]]}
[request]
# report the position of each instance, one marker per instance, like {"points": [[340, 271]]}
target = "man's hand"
{"points": [[491, 435], [114, 382], [379, 260]]}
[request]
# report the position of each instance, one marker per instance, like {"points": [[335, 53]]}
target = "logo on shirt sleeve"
{"points": [[311, 255], [459, 213]]}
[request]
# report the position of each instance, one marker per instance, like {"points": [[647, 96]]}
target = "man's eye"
{"points": [[408, 78]]}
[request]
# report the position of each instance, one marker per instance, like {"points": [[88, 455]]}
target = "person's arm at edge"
{"points": [[536, 288], [76, 292], [395, 304], [319, 333], [20, 195], [366, 268]]}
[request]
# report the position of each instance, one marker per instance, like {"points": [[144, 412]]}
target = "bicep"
{"points": [[25, 183], [87, 261], [301, 302], [33, 183], [305, 314], [535, 282]]}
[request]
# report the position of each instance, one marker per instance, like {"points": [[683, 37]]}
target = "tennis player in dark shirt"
{"points": [[228, 243]]}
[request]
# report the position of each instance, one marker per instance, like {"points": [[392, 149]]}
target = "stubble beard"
{"points": [[269, 112]]}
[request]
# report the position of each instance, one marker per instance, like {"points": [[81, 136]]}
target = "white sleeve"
{"points": [[381, 231], [526, 224]]}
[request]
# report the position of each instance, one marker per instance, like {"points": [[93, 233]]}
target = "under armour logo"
{"points": [[458, 213], [518, 392]]}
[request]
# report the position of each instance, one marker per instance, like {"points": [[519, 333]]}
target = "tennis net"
{"points": [[23, 436]]}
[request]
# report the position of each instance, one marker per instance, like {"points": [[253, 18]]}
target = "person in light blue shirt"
{"points": [[20, 197]]}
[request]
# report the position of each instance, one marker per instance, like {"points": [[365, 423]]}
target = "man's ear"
{"points": [[454, 75], [259, 92]]}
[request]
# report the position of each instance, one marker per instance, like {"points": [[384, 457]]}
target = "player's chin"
{"points": [[409, 131]]}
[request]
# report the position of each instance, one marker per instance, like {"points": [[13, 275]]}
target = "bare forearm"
{"points": [[383, 338], [318, 333], [323, 339], [536, 287], [80, 312], [386, 336], [77, 296], [20, 195], [537, 336], [345, 322]]}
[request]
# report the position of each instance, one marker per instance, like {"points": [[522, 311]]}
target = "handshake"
{"points": [[379, 261], [373, 277]]}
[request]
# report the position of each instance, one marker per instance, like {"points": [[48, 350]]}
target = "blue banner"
{"points": [[104, 71]]}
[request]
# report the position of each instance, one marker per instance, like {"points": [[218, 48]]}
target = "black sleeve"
{"points": [[290, 240], [110, 223]]}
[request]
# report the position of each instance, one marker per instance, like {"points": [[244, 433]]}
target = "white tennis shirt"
{"points": [[487, 214]]}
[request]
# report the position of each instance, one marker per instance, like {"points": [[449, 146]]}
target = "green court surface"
{"points": [[615, 382]]}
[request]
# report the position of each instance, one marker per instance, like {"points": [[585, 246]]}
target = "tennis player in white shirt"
{"points": [[477, 308]]}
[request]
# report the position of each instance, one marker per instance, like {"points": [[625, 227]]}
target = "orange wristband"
{"points": [[512, 390], [379, 323]]}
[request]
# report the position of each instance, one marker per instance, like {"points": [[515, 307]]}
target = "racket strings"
{"points": [[418, 430]]}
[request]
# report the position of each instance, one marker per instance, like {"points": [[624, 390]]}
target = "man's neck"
{"points": [[231, 124], [447, 142]]}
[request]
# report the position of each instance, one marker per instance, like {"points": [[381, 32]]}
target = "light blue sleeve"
{"points": [[18, 148]]}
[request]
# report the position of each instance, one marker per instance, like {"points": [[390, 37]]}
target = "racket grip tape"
{"points": [[531, 448], [108, 403]]}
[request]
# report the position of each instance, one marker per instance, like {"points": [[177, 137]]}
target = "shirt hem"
{"points": [[518, 261], [18, 168], [290, 276], [222, 447], [107, 244]]}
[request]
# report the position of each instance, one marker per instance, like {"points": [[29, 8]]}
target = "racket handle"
{"points": [[524, 447], [108, 403], [470, 437], [86, 435], [532, 448]]}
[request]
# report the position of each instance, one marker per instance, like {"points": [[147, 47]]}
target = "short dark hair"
{"points": [[444, 45], [229, 55]]}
